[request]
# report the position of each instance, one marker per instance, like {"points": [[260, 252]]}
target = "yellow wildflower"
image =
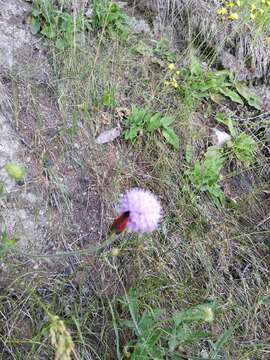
{"points": [[253, 7], [222, 11], [252, 16], [230, 4], [238, 3], [166, 83], [177, 72], [170, 67], [261, 11], [233, 16], [263, 1], [268, 3], [174, 83]]}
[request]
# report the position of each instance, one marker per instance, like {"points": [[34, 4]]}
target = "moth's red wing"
{"points": [[120, 223]]}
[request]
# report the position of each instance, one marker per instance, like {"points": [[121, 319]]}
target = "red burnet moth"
{"points": [[120, 223]]}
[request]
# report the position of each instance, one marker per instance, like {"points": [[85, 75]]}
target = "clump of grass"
{"points": [[159, 337]]}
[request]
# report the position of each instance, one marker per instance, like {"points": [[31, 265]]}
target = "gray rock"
{"points": [[20, 208], [139, 26], [108, 135]]}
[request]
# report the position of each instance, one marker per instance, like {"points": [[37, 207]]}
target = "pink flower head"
{"points": [[143, 208]]}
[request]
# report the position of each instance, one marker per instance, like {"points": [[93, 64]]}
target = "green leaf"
{"points": [[48, 31], [200, 313], [188, 153], [226, 120], [195, 67], [154, 122], [36, 12], [132, 304], [143, 49], [15, 170], [60, 44], [108, 99], [167, 121], [248, 95], [232, 95], [171, 137], [244, 148], [35, 26]]}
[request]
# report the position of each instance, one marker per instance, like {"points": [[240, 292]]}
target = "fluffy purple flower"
{"points": [[144, 210]]}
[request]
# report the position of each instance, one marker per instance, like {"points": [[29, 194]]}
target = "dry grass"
{"points": [[200, 253]]}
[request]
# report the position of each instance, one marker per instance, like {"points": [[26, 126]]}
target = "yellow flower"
{"points": [[253, 7], [170, 67], [177, 72], [238, 2], [222, 11], [231, 4], [166, 83], [268, 3], [174, 83], [261, 11], [233, 16], [263, 1], [252, 16]]}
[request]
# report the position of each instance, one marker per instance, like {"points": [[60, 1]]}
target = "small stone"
{"points": [[139, 26], [89, 13], [220, 137], [108, 135]]}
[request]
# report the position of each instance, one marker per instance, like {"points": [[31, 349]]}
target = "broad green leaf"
{"points": [[143, 49], [232, 95], [15, 170], [226, 120], [132, 134], [60, 44], [200, 313], [36, 12], [167, 121], [48, 31], [108, 99], [155, 122], [248, 95], [244, 148], [171, 137], [35, 26], [215, 97], [195, 67]]}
